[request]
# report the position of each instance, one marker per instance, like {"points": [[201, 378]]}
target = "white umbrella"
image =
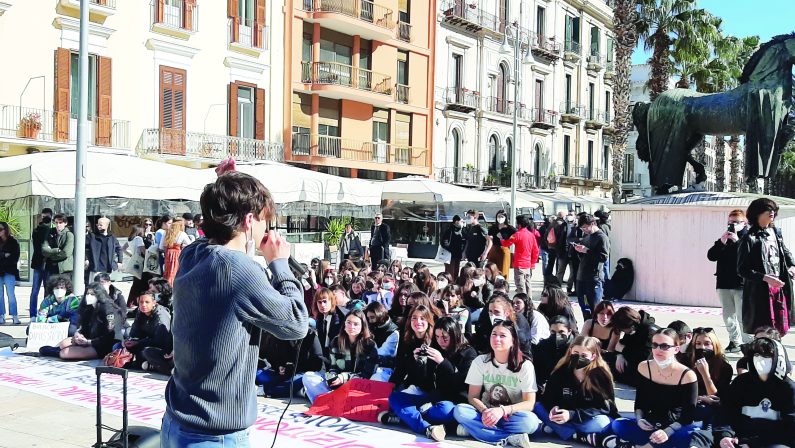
{"points": [[420, 189]]}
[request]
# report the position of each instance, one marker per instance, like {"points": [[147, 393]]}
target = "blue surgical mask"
{"points": [[386, 285]]}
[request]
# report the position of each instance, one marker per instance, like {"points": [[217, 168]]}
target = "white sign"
{"points": [[41, 334], [305, 252]]}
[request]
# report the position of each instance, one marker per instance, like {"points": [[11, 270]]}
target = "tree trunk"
{"points": [[720, 164], [660, 64], [736, 174], [626, 38]]}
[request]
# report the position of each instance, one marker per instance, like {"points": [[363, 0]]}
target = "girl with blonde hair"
{"points": [[173, 243]]}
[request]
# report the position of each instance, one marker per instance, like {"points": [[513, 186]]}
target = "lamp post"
{"points": [[528, 59]]}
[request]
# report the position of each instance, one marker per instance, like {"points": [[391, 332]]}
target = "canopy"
{"points": [[420, 189]]}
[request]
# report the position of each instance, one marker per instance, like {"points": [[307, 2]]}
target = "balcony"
{"points": [[361, 17], [596, 62], [610, 71], [594, 119], [571, 112], [609, 127], [345, 152], [246, 36], [404, 31], [459, 176], [524, 181], [346, 81], [176, 144], [98, 10], [544, 118], [630, 180], [178, 21], [577, 172], [545, 47], [402, 92], [572, 52], [459, 99], [469, 17], [504, 107]]}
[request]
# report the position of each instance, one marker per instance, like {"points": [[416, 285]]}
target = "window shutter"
{"points": [[259, 24], [233, 110], [159, 7], [63, 62], [259, 114], [231, 11], [187, 19], [104, 103], [173, 84]]}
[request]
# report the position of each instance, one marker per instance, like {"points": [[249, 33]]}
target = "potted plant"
{"points": [[30, 125], [335, 229]]}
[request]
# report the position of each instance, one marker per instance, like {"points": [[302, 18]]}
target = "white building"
{"points": [[564, 102], [185, 81]]}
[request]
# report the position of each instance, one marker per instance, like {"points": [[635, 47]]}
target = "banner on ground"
{"points": [[359, 400]]}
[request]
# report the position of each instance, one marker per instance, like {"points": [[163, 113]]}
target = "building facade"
{"points": [[183, 81], [358, 73], [563, 103]]}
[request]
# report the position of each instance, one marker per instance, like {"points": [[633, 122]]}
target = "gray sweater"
{"points": [[222, 302]]}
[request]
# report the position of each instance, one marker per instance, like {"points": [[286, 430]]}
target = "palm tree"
{"points": [[625, 26]]}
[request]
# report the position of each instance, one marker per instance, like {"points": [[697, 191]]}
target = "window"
{"points": [[566, 154], [306, 48], [629, 167], [568, 93], [494, 145], [608, 105], [509, 153], [458, 65], [573, 34], [75, 86], [339, 71], [537, 164], [245, 10], [456, 151], [591, 101], [502, 89], [403, 138], [404, 11], [595, 41], [245, 112], [541, 21], [606, 161], [539, 95], [173, 82], [589, 167], [610, 49], [403, 68]]}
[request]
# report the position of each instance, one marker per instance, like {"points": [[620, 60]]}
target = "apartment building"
{"points": [[183, 81], [359, 75], [564, 99]]}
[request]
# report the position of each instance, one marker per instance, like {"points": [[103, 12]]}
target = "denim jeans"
{"points": [[589, 294], [518, 423], [278, 386], [628, 429], [10, 282], [172, 435], [596, 425], [39, 278], [544, 259], [315, 385], [406, 407]]}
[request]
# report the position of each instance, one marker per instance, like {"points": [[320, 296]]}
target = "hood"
{"points": [[645, 318], [781, 364]]}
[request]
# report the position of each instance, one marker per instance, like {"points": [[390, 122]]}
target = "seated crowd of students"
{"points": [[468, 359]]}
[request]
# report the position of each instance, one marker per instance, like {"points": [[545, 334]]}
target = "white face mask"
{"points": [[91, 299], [329, 281], [59, 293], [500, 219], [494, 319], [478, 282], [739, 226], [664, 363], [106, 286], [441, 284], [763, 365], [387, 286]]}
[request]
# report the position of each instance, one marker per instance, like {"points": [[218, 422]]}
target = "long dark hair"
{"points": [[457, 340], [344, 345], [515, 356], [757, 207], [409, 338], [557, 303], [592, 385]]}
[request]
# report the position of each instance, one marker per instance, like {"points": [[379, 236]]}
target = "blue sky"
{"points": [[765, 18]]}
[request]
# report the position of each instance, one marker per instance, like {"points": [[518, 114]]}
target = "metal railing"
{"points": [[364, 151], [545, 44], [245, 33], [345, 75], [594, 115], [459, 97], [610, 67], [629, 178], [572, 108], [459, 175], [404, 31], [577, 171], [544, 116], [573, 47], [597, 60], [505, 107], [177, 142], [503, 179], [39, 125], [175, 16], [458, 11], [365, 10], [402, 93]]}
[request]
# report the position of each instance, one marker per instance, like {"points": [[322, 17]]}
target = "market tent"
{"points": [[524, 202], [420, 198]]}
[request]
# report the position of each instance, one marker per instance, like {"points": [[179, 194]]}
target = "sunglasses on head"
{"points": [[663, 347], [703, 330]]}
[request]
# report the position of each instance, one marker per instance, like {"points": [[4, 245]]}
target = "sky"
{"points": [[764, 18]]}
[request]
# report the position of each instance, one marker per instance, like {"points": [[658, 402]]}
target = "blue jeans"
{"points": [[596, 425], [606, 269], [544, 259], [518, 423], [628, 429], [172, 435], [10, 282], [278, 386], [315, 385], [39, 278], [406, 407], [589, 294]]}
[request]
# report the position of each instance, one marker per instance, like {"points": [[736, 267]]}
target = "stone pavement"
{"points": [[32, 420]]}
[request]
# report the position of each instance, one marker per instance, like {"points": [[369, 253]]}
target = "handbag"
{"points": [[118, 358], [779, 314], [443, 255], [135, 265], [151, 261]]}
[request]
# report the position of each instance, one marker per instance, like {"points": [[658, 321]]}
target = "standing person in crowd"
{"points": [[728, 283], [9, 273], [37, 267], [198, 220], [211, 392], [353, 355], [555, 302], [500, 255], [172, 244], [135, 246], [665, 401], [58, 249], [705, 356], [549, 351], [551, 241], [386, 335], [328, 318], [380, 238], [525, 256], [502, 393], [103, 252], [635, 345], [149, 233], [351, 244], [280, 375], [543, 247], [438, 375], [453, 241], [566, 234], [163, 224], [594, 250], [767, 266], [190, 227], [151, 328], [477, 242], [61, 305], [600, 326], [603, 221], [579, 398]]}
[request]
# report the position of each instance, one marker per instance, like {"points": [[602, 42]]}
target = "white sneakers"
{"points": [[519, 440]]}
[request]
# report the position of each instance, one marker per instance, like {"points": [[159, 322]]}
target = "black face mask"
{"points": [[705, 353], [562, 341], [578, 362]]}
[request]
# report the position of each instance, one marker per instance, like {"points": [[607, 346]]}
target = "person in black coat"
{"points": [[498, 309], [37, 266], [548, 352], [635, 346], [103, 251], [380, 237], [279, 369], [9, 274], [767, 266], [328, 316], [453, 241], [151, 328]]}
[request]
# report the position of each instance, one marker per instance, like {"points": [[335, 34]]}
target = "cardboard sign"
{"points": [[359, 400], [41, 334]]}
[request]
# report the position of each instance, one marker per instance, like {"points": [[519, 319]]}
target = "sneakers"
{"points": [[519, 440], [436, 432], [2, 319], [732, 348], [546, 429], [15, 320], [145, 366], [388, 418], [301, 393], [460, 431], [425, 407], [612, 441], [48, 350]]}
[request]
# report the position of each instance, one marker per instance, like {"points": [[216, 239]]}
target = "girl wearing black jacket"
{"points": [[437, 374], [9, 274], [151, 328], [281, 372], [500, 309], [328, 316], [634, 346], [386, 336], [579, 398]]}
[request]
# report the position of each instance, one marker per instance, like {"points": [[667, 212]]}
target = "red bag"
{"points": [[779, 314], [551, 238], [118, 358]]}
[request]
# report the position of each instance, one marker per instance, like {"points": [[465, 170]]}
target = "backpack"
{"points": [[552, 240]]}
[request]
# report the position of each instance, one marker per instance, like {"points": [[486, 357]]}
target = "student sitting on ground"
{"points": [[634, 346], [499, 309], [454, 307], [418, 334], [765, 331], [386, 336], [705, 356], [579, 398], [329, 319], [555, 302], [353, 355], [600, 326], [548, 352], [281, 371], [61, 305], [151, 328], [502, 393]]}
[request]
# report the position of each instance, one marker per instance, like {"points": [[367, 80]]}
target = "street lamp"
{"points": [[505, 48]]}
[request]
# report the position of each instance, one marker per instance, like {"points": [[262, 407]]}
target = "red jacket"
{"points": [[526, 253]]}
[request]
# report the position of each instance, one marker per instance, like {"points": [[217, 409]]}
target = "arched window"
{"points": [[508, 156], [456, 148], [502, 89], [494, 145]]}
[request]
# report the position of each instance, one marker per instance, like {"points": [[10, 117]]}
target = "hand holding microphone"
{"points": [[274, 247]]}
